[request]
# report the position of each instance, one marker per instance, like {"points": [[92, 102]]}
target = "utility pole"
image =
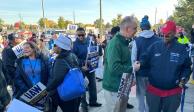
{"points": [[155, 15], [43, 16], [100, 18], [20, 22], [73, 17], [20, 16]]}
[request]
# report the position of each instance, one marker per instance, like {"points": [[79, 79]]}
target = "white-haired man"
{"points": [[117, 60]]}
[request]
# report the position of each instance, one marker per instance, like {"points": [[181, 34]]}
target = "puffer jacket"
{"points": [[60, 69], [4, 95]]}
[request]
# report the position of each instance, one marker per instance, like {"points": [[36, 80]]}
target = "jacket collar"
{"points": [[82, 42], [123, 39]]}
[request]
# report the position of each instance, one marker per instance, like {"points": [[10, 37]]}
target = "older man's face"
{"points": [[131, 30]]}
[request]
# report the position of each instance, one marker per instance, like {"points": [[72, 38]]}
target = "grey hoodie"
{"points": [[145, 34]]}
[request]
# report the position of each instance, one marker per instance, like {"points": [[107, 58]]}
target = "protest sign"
{"points": [[35, 94], [19, 106], [18, 50], [123, 92], [93, 58]]}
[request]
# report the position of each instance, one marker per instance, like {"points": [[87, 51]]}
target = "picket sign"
{"points": [[18, 50], [92, 57], [35, 94], [19, 106], [100, 69], [123, 92]]}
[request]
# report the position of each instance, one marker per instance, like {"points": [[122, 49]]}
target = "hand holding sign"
{"points": [[84, 68]]}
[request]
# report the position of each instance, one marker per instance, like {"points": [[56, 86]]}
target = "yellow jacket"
{"points": [[184, 40]]}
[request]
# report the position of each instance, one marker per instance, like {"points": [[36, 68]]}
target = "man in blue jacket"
{"points": [[144, 39], [80, 48], [169, 68]]}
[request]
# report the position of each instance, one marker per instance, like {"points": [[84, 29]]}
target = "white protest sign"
{"points": [[72, 27], [35, 94], [19, 106], [18, 50]]}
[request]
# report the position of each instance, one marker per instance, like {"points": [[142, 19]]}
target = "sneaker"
{"points": [[84, 109], [129, 106], [95, 104]]}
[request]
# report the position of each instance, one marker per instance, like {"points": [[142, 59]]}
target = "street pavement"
{"points": [[189, 100]]}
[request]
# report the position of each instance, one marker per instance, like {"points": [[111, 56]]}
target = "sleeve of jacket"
{"points": [[75, 51], [186, 67], [115, 62], [4, 95], [47, 66], [19, 82], [8, 61], [59, 71]]}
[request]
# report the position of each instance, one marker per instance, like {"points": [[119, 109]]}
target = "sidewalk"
{"points": [[189, 100]]}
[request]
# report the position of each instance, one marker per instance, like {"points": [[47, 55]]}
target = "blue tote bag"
{"points": [[72, 85]]}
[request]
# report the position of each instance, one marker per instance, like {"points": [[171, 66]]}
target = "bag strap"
{"points": [[68, 65]]}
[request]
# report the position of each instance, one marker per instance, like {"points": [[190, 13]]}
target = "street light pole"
{"points": [[44, 19], [100, 18]]}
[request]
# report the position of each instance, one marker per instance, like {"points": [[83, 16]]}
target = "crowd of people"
{"points": [[162, 66]]}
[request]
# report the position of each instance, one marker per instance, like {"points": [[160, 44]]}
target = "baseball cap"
{"points": [[168, 27], [12, 36]]}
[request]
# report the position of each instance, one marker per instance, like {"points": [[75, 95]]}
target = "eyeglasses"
{"points": [[81, 35]]}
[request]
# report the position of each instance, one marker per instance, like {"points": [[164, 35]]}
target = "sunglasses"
{"points": [[81, 35]]}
